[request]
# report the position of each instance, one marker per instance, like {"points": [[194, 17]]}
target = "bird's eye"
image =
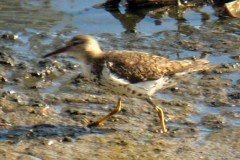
{"points": [[77, 42]]}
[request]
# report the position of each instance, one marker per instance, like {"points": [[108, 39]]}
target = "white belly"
{"points": [[116, 85], [120, 86]]}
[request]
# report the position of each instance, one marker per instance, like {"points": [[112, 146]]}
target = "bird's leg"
{"points": [[160, 114], [116, 110]]}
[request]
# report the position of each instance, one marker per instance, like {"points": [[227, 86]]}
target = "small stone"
{"points": [[67, 139]]}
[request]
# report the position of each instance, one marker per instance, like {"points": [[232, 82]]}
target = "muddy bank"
{"points": [[46, 103]]}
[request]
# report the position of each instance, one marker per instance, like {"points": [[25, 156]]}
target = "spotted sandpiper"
{"points": [[128, 73]]}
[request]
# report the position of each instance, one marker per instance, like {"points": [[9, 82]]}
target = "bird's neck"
{"points": [[93, 51], [88, 54], [92, 64]]}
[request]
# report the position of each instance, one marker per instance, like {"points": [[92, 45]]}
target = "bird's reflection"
{"points": [[135, 11]]}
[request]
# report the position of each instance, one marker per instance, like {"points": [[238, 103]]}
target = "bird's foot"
{"points": [[94, 124], [45, 111], [5, 124]]}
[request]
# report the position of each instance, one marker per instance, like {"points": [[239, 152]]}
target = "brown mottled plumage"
{"points": [[129, 73], [139, 66]]}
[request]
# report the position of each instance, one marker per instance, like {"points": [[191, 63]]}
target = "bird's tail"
{"points": [[196, 66]]}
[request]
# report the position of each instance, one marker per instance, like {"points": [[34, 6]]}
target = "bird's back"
{"points": [[137, 66]]}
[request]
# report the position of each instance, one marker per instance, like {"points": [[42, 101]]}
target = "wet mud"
{"points": [[45, 104]]}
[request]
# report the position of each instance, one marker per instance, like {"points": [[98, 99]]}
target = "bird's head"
{"points": [[80, 47]]}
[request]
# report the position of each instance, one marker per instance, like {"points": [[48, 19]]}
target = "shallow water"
{"points": [[202, 107]]}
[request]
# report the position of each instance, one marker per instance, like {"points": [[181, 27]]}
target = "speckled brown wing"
{"points": [[139, 66]]}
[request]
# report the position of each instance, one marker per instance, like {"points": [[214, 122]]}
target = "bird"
{"points": [[128, 73]]}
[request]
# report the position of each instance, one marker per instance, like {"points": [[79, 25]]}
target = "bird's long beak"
{"points": [[60, 50]]}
